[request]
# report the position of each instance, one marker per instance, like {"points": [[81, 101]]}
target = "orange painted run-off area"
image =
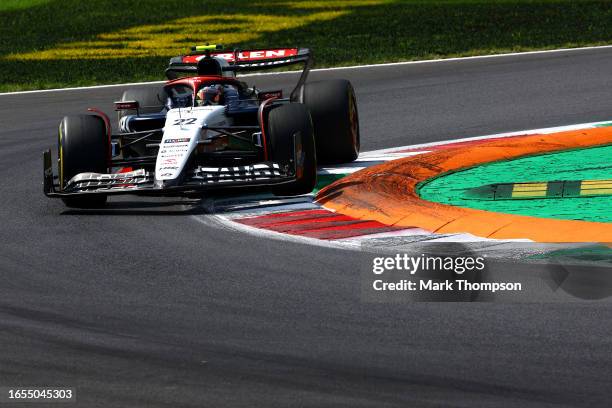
{"points": [[387, 192]]}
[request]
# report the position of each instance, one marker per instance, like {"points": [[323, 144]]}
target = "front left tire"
{"points": [[83, 147]]}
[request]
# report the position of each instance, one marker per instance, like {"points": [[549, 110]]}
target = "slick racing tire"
{"points": [[150, 100], [287, 123], [333, 107], [83, 147]]}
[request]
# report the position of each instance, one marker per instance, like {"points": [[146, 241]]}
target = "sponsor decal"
{"points": [[92, 180], [180, 140], [166, 174], [253, 55], [261, 171], [177, 146], [169, 168], [266, 63], [124, 124], [174, 152]]}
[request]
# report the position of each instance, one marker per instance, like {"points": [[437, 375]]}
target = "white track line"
{"points": [[548, 130], [475, 57], [214, 220]]}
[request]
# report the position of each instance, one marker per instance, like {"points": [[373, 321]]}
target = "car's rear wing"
{"points": [[243, 61]]}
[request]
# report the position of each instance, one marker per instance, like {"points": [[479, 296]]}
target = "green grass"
{"points": [[580, 164], [57, 43], [20, 4]]}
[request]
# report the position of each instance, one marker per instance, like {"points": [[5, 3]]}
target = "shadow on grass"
{"points": [[45, 25], [390, 31]]}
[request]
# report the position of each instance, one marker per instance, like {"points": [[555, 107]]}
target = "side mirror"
{"points": [[126, 105]]}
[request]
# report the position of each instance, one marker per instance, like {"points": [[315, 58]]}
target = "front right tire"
{"points": [[286, 125]]}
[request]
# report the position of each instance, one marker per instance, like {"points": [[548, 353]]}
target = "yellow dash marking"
{"points": [[596, 187], [596, 182], [603, 191], [529, 190]]}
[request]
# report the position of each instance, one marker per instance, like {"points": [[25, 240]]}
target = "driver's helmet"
{"points": [[210, 95]]}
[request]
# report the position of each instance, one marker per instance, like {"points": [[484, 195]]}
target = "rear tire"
{"points": [[283, 123], [83, 147], [333, 107], [150, 100]]}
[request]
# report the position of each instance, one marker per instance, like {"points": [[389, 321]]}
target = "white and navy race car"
{"points": [[205, 130]]}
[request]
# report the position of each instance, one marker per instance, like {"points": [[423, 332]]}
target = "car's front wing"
{"points": [[142, 182]]}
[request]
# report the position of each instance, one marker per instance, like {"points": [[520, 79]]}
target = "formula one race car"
{"points": [[206, 130]]}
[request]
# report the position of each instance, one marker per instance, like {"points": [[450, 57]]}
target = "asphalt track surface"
{"points": [[142, 305]]}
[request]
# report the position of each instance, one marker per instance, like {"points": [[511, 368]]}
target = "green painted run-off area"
{"points": [[585, 164]]}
